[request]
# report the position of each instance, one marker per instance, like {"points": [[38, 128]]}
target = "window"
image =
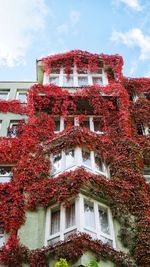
{"points": [[83, 215], [98, 221], [22, 96], [147, 172], [4, 94], [77, 78], [93, 123], [2, 236], [60, 223], [5, 174], [78, 157], [142, 129], [13, 129], [63, 160]]}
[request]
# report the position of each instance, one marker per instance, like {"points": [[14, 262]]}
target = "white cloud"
{"points": [[19, 21], [134, 4], [134, 38]]}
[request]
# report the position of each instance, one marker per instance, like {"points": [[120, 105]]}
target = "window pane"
{"points": [[98, 162], [55, 222], [22, 97], [103, 219], [5, 174], [86, 123], [3, 96], [89, 214], [70, 216], [57, 124], [97, 80], [97, 124], [57, 159], [68, 81], [140, 128], [82, 81], [1, 240], [69, 158], [54, 80], [13, 129], [86, 157]]}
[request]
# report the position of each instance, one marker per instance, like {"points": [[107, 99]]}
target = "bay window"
{"points": [[5, 174], [72, 158], [93, 123], [84, 215], [77, 78]]}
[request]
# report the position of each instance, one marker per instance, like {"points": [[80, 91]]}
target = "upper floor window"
{"points": [[4, 94], [5, 174], [84, 215], [2, 236], [93, 123], [142, 129], [78, 157], [21, 96], [13, 128], [0, 124], [147, 172], [76, 78]]}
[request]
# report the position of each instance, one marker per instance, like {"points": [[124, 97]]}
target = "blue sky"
{"points": [[32, 29]]}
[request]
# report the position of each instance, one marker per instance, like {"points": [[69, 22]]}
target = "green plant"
{"points": [[61, 263]]}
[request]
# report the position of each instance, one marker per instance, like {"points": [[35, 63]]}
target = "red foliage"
{"points": [[31, 185]]}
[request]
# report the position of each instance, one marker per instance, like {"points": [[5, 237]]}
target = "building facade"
{"points": [[75, 164]]}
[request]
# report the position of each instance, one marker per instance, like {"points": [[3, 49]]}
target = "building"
{"points": [[75, 164]]}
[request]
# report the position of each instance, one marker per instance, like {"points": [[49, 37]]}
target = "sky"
{"points": [[32, 29]]}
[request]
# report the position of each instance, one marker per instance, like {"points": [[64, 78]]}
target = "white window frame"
{"points": [[78, 162], [2, 176], [75, 75], [21, 91], [77, 123], [80, 224], [6, 92]]}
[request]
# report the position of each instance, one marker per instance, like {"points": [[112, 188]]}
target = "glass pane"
{"points": [[146, 170], [22, 97], [86, 157], [97, 124], [3, 96], [55, 222], [69, 158], [82, 81], [97, 80], [103, 219], [54, 80], [1, 240], [68, 81], [140, 128], [57, 159], [57, 124], [89, 214], [12, 132], [86, 123], [5, 175], [70, 216], [98, 162]]}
